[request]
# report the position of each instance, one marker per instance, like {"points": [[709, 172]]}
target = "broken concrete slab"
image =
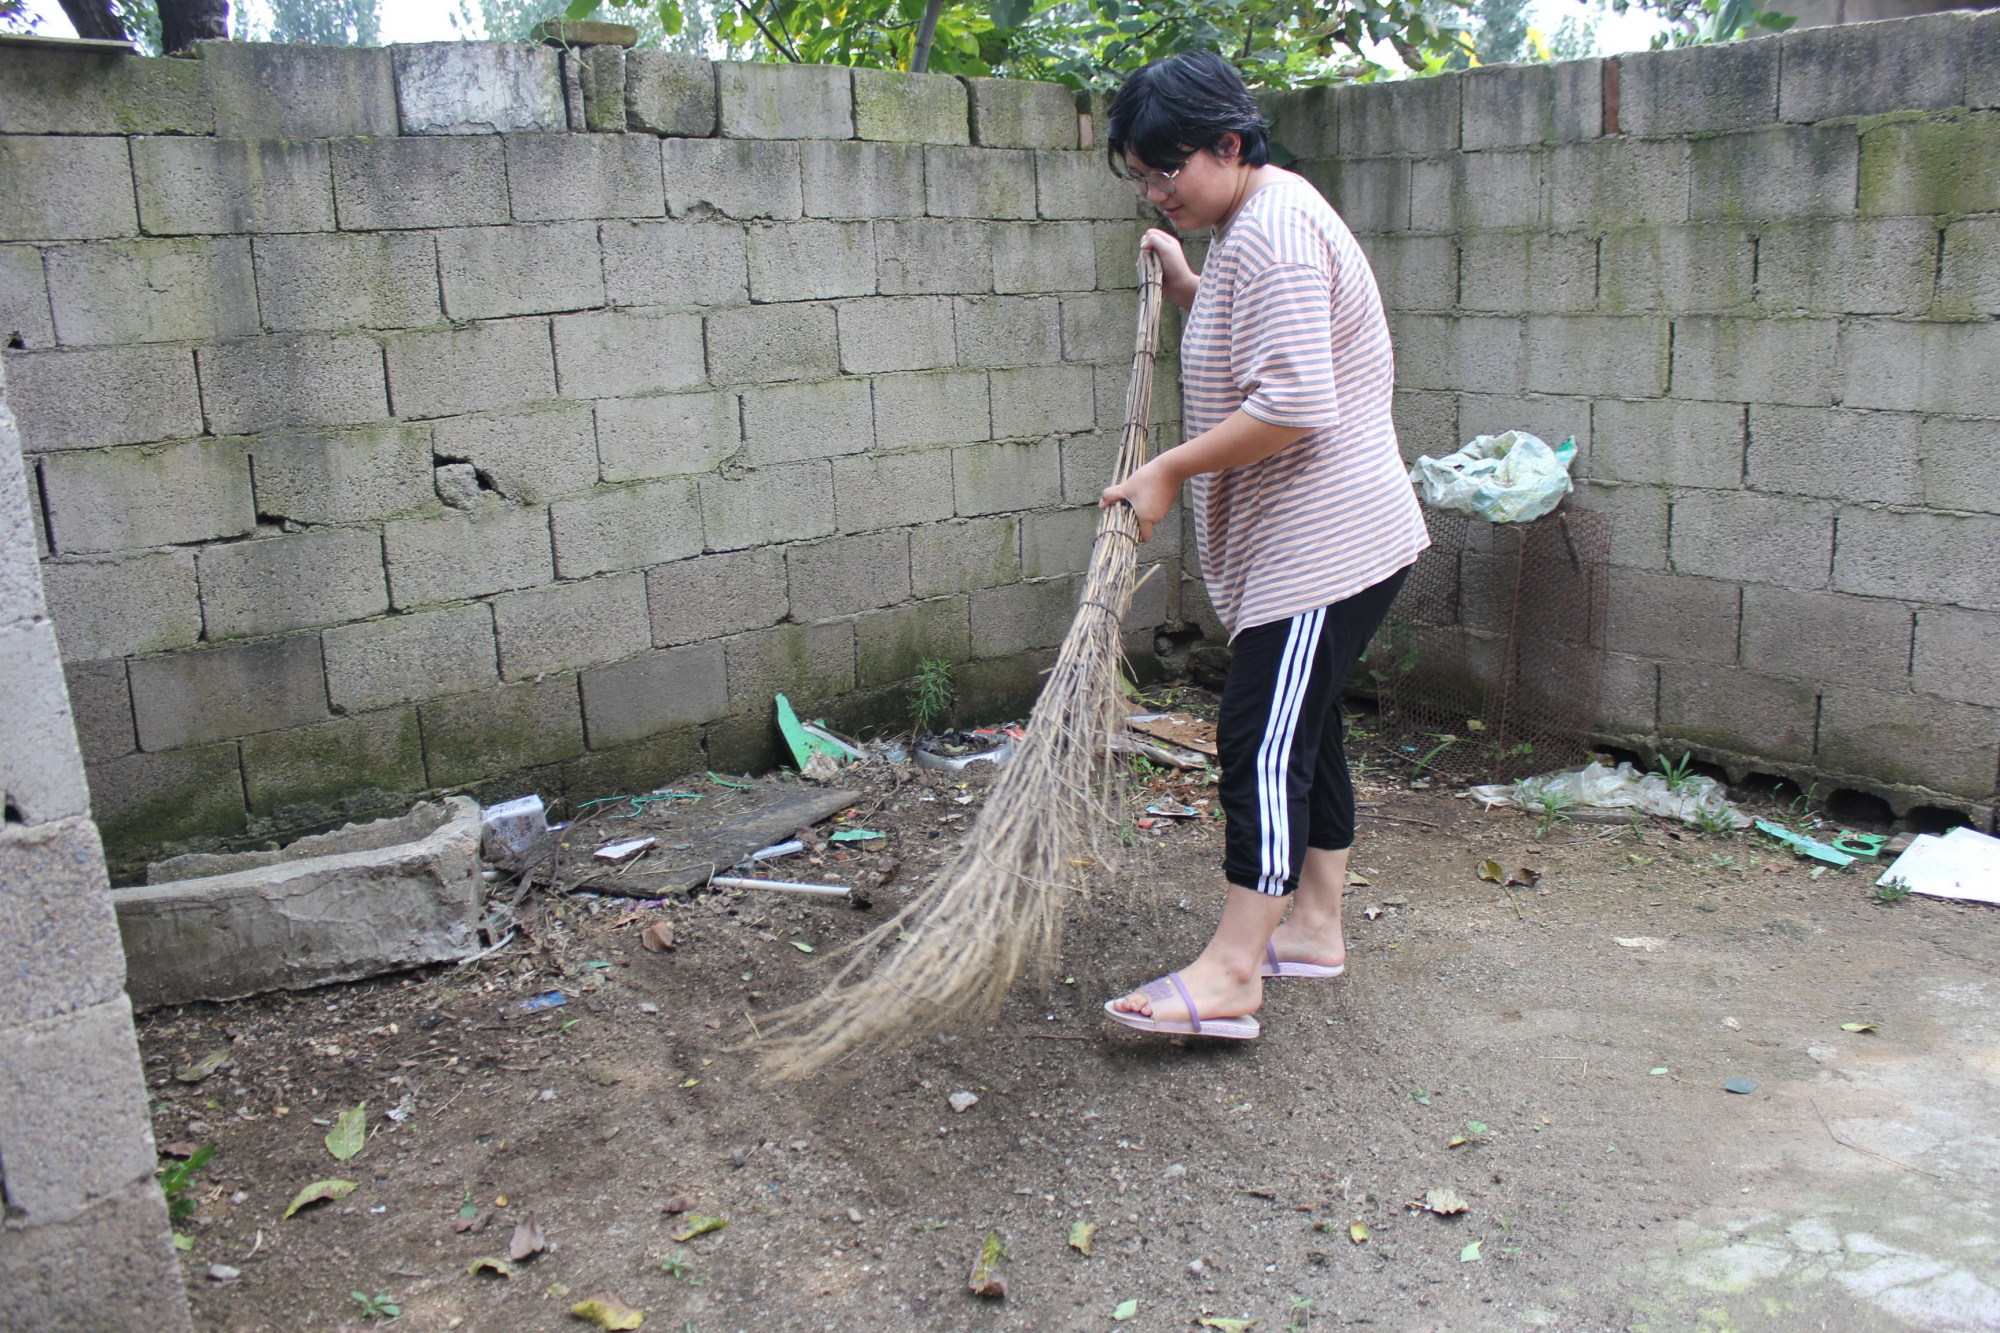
{"points": [[761, 816], [360, 901]]}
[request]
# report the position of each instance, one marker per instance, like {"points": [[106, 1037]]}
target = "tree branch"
{"points": [[920, 58], [769, 36]]}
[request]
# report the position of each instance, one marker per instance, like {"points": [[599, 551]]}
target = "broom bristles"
{"points": [[997, 908]]}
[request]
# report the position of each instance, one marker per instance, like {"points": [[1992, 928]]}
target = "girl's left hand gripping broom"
{"points": [[998, 906]]}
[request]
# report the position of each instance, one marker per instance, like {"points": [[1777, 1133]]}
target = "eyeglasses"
{"points": [[1145, 182]]}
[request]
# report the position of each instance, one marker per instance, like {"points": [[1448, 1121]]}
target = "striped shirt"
{"points": [[1287, 324]]}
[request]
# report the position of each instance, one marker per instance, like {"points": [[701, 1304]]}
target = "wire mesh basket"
{"points": [[1490, 663]]}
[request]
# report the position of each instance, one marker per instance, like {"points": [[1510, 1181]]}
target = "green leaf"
{"points": [[699, 1224], [1126, 1310], [182, 1241], [175, 1178], [321, 1189], [1081, 1234], [581, 9], [349, 1134], [490, 1263], [1470, 1254], [802, 946]]}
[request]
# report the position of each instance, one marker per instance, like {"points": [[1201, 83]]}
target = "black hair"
{"points": [[1170, 108]]}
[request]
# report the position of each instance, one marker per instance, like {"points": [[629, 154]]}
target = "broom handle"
{"points": [[1139, 392]]}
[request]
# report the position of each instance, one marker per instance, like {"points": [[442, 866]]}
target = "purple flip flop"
{"points": [[1274, 968], [1245, 1028]]}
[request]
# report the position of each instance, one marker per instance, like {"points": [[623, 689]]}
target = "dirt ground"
{"points": [[1608, 1180]]}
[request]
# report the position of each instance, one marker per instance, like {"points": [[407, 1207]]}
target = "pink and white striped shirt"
{"points": [[1287, 324]]}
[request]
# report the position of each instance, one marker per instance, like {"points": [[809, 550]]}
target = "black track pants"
{"points": [[1284, 770]]}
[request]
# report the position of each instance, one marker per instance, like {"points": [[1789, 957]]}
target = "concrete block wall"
{"points": [[84, 1241], [396, 425], [1756, 283]]}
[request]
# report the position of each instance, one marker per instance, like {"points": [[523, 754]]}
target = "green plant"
{"points": [[175, 1180], [1444, 742], [1553, 806], [1301, 1314], [931, 694], [1677, 775], [1392, 653], [1893, 892], [1716, 823], [376, 1307], [676, 1265]]}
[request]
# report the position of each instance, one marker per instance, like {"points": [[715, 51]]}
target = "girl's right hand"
{"points": [[1177, 279]]}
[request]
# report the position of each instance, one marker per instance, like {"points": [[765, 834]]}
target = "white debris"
{"points": [[961, 1102]]}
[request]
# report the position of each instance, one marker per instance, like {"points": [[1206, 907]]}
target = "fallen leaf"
{"points": [[1353, 878], [1474, 1127], [1470, 1254], [1443, 1202], [321, 1189], [491, 1263], [202, 1068], [1657, 1070], [689, 1082], [1457, 1141], [470, 1225], [1490, 870], [1857, 1027], [526, 1241], [349, 1134], [984, 1281], [699, 1224], [1649, 943], [1357, 1232], [658, 937], [1080, 1236], [885, 870], [1226, 1325], [608, 1312], [802, 946], [680, 1203], [1527, 877], [180, 1150], [1126, 1310]]}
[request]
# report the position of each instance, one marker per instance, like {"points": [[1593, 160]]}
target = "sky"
{"points": [[430, 21]]}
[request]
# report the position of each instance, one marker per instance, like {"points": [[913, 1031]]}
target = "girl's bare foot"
{"points": [[1219, 992]]}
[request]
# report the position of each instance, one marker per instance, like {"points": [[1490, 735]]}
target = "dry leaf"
{"points": [[1492, 872], [1458, 1141], [680, 1203], [885, 869], [1226, 1325], [321, 1189], [984, 1281], [1353, 878], [202, 1068], [491, 1263], [1527, 877], [1357, 1232], [526, 1241], [1080, 1236], [658, 937], [609, 1313], [1443, 1202], [699, 1224], [1857, 1027], [464, 1225]]}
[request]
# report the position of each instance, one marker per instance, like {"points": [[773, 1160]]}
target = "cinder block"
{"points": [[1671, 617], [656, 692], [1698, 90], [895, 333], [1629, 702], [733, 178], [861, 180], [1618, 182], [910, 108], [980, 183], [1553, 420], [73, 1121], [1304, 122], [1755, 538], [640, 766], [1117, 246], [1477, 191], [285, 583], [41, 773], [1047, 257], [152, 291], [674, 263], [1422, 272], [115, 608], [948, 407], [1043, 400], [1016, 616], [1431, 204], [809, 261], [789, 423], [291, 380], [1835, 71], [552, 177], [1060, 541], [1757, 360], [920, 256], [847, 574], [767, 101], [25, 318], [1077, 185], [1910, 739], [438, 372], [124, 499], [63, 188], [614, 353], [890, 645], [626, 527], [48, 90], [1087, 464], [666, 436], [778, 504], [1843, 455], [1920, 557], [1638, 521], [60, 952], [1370, 194], [667, 92], [1015, 113], [1418, 116], [1669, 443], [268, 90], [472, 736], [143, 800], [389, 184], [1968, 274], [120, 1248], [526, 456], [1789, 171], [1826, 637], [488, 272], [571, 625], [1957, 655], [1508, 272], [1867, 267], [875, 491], [378, 663], [1478, 355], [996, 478], [1426, 423], [1923, 367], [344, 476], [601, 72], [344, 764], [213, 694], [1114, 385], [477, 88], [1982, 62], [763, 343], [1100, 326], [100, 702], [713, 595], [807, 663], [453, 556], [959, 557], [1513, 106], [1956, 464], [228, 186], [346, 280], [1723, 710], [1008, 331], [1707, 268]]}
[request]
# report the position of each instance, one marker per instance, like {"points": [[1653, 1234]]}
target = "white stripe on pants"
{"points": [[1274, 752]]}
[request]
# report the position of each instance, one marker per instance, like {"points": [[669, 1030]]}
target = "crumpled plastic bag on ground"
{"points": [[1622, 787], [1508, 478]]}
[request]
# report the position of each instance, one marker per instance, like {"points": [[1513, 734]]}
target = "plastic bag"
{"points": [[1622, 787], [1509, 478]]}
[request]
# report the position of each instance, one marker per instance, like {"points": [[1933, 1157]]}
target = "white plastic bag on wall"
{"points": [[1508, 478]]}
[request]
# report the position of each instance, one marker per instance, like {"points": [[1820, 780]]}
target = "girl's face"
{"points": [[1201, 193]]}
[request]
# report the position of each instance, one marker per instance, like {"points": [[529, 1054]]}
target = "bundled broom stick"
{"points": [[998, 906]]}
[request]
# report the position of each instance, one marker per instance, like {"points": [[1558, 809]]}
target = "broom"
{"points": [[998, 906]]}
